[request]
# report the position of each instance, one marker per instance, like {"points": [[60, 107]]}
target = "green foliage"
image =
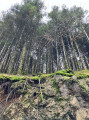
{"points": [[42, 29], [54, 14]]}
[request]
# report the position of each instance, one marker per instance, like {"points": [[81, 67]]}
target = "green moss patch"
{"points": [[82, 74], [67, 72], [15, 78]]}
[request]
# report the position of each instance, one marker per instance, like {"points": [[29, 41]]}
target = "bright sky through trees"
{"points": [[6, 4]]}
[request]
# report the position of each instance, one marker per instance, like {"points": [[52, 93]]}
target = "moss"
{"points": [[42, 79], [17, 78], [12, 78], [64, 73], [55, 85], [82, 74], [69, 81], [3, 78], [48, 75], [83, 85], [85, 91], [69, 71], [51, 75], [66, 78], [35, 78]]}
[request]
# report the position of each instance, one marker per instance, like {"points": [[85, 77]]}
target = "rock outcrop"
{"points": [[58, 98]]}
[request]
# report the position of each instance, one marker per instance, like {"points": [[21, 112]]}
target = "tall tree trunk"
{"points": [[57, 56], [86, 34], [22, 57], [64, 53], [3, 62], [75, 61], [80, 56]]}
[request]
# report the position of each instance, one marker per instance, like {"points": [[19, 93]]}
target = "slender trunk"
{"points": [[86, 34], [3, 52], [22, 57], [13, 58], [57, 56], [46, 62], [87, 62], [33, 62], [3, 62], [75, 62], [64, 53], [80, 56], [68, 53]]}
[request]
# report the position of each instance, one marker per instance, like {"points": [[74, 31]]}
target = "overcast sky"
{"points": [[6, 4]]}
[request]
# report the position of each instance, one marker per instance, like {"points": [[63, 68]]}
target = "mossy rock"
{"points": [[81, 76], [65, 73]]}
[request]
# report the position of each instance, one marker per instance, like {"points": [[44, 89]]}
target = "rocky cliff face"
{"points": [[57, 98]]}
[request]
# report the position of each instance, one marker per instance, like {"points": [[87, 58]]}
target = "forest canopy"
{"points": [[28, 45]]}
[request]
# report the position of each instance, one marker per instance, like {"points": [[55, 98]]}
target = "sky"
{"points": [[6, 4]]}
